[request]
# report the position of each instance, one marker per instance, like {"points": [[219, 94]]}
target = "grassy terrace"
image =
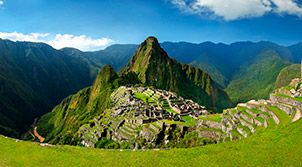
{"points": [[283, 117], [235, 133], [193, 122], [257, 111], [246, 129], [260, 119], [233, 111], [299, 99], [213, 117], [243, 110], [289, 87], [281, 146], [271, 124], [146, 99]]}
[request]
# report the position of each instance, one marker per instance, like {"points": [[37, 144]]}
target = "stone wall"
{"points": [[210, 124], [208, 134], [272, 114], [285, 100]]}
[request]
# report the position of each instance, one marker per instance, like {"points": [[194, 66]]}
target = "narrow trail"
{"points": [[297, 115], [32, 136], [38, 136]]}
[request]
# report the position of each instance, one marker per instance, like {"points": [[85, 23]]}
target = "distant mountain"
{"points": [[116, 55], [256, 78], [34, 77]]}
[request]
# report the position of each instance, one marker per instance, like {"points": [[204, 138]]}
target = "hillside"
{"points": [[256, 78], [287, 74], [34, 77]]}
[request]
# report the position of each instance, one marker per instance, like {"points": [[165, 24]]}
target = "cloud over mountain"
{"points": [[81, 42], [238, 9]]}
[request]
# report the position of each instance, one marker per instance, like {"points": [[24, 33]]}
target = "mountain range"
{"points": [[35, 77]]}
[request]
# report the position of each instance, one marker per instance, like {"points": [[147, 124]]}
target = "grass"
{"points": [[283, 117], [213, 117], [146, 99], [189, 120], [235, 133], [233, 111], [289, 87], [299, 99], [281, 146], [255, 110], [271, 124], [192, 123], [243, 110], [260, 119], [246, 129]]}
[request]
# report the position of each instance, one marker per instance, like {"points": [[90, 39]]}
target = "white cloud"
{"points": [[237, 9], [15, 36], [81, 42], [287, 7], [1, 2]]}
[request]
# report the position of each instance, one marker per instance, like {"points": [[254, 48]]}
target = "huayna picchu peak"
{"points": [[155, 68]]}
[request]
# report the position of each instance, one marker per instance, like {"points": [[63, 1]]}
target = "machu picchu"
{"points": [[141, 112]]}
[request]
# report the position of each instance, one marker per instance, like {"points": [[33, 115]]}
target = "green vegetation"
{"points": [[34, 77], [213, 117], [190, 123], [256, 78], [146, 99], [243, 110], [299, 99], [76, 110], [189, 120], [287, 74], [288, 87], [283, 117]]}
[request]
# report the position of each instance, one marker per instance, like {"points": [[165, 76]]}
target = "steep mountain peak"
{"points": [[148, 52], [105, 76]]}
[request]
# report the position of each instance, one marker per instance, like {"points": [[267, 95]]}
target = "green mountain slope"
{"points": [[78, 109], [287, 74], [154, 68], [34, 77], [256, 78]]}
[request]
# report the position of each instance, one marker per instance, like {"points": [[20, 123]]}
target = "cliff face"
{"points": [[154, 68]]}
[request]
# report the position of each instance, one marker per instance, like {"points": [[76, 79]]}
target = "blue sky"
{"points": [[95, 24]]}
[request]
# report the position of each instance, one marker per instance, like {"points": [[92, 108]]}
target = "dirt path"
{"points": [[297, 115], [38, 136], [32, 136]]}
